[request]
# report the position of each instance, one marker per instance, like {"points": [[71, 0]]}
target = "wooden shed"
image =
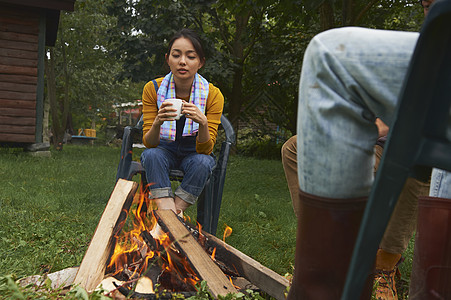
{"points": [[26, 27]]}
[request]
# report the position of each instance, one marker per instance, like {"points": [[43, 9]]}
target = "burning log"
{"points": [[110, 285], [259, 275], [150, 241], [145, 285], [236, 264], [174, 257], [217, 282], [210, 248], [93, 265]]}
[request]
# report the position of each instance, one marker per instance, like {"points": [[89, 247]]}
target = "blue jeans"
{"points": [[349, 77], [180, 154], [440, 184]]}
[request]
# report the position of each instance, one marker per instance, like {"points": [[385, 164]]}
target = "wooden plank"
{"points": [[93, 265], [17, 138], [22, 28], [266, 279], [17, 112], [16, 87], [5, 69], [19, 37], [19, 78], [19, 20], [26, 121], [19, 45], [60, 279], [18, 129], [217, 282], [269, 281], [21, 62], [18, 53], [22, 104], [9, 95], [28, 21]]}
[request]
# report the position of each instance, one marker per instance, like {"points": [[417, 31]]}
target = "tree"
{"points": [[251, 45], [59, 109], [368, 13], [81, 73], [231, 31]]}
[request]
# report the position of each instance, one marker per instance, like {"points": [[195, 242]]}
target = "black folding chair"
{"points": [[417, 140], [209, 202]]}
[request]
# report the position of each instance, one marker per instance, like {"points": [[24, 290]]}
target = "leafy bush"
{"points": [[263, 148], [253, 143]]}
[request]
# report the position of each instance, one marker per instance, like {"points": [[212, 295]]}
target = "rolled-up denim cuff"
{"points": [[185, 196], [161, 193]]}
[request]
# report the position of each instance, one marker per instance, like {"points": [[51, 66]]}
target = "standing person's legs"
{"points": [[398, 233], [290, 167], [399, 230], [403, 221], [349, 76]]}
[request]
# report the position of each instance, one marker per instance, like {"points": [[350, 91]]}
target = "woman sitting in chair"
{"points": [[186, 143]]}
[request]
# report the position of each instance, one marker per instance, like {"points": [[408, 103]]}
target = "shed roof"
{"points": [[67, 5], [52, 8]]}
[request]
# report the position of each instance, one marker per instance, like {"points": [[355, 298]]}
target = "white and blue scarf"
{"points": [[199, 95]]}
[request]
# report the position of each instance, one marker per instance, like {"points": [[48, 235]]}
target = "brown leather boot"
{"points": [[385, 273], [431, 266], [326, 234]]}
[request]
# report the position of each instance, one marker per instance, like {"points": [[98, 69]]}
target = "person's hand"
{"points": [[165, 113], [192, 112]]}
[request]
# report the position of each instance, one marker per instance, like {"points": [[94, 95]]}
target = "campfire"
{"points": [[141, 261], [138, 251], [146, 259]]}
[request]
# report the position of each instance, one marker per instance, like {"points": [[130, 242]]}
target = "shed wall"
{"points": [[19, 35]]}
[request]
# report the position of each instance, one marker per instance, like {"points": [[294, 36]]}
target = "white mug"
{"points": [[177, 104]]}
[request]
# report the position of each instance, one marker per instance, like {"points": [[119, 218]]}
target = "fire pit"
{"points": [[128, 255]]}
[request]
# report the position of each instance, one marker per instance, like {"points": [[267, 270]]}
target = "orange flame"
{"points": [[227, 232], [213, 254], [130, 245]]}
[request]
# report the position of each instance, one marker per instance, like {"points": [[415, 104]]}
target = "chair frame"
{"points": [[209, 202]]}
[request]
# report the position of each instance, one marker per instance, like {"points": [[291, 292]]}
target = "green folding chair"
{"points": [[209, 202]]}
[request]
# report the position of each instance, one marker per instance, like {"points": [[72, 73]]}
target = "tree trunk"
{"points": [[66, 99], [58, 134], [326, 14], [347, 12], [45, 121], [236, 101], [59, 109]]}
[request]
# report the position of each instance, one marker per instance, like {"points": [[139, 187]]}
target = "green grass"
{"points": [[257, 206], [50, 207]]}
